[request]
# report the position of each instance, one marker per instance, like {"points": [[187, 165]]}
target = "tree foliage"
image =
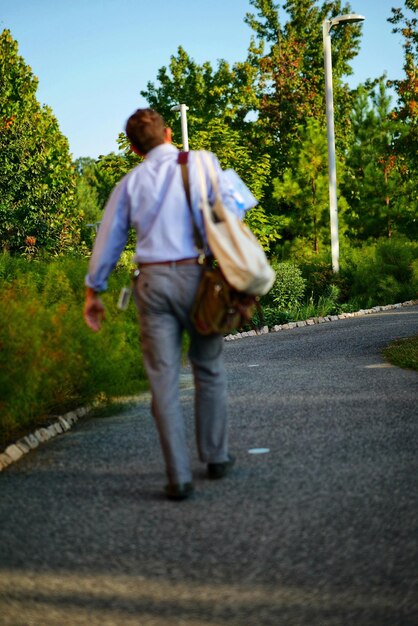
{"points": [[405, 22], [303, 189], [223, 93], [375, 180], [290, 80], [36, 174]]}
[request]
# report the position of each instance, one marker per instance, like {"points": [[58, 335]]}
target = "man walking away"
{"points": [[152, 199]]}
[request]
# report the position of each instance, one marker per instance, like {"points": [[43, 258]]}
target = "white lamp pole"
{"points": [[327, 25], [185, 137]]}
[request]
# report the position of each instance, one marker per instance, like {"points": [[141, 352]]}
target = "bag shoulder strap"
{"points": [[212, 174], [183, 159], [204, 165]]}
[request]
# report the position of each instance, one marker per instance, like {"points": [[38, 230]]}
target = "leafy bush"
{"points": [[414, 270], [50, 361], [383, 273], [327, 304], [288, 289], [320, 279]]}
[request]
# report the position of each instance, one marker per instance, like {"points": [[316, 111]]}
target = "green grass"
{"points": [[403, 353]]}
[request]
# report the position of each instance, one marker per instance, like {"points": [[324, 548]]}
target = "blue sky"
{"points": [[93, 57]]}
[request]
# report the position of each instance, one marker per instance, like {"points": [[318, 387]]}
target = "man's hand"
{"points": [[94, 311]]}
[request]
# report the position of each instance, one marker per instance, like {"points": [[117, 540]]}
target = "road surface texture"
{"points": [[321, 530]]}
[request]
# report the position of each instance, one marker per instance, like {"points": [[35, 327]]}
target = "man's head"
{"points": [[145, 130]]}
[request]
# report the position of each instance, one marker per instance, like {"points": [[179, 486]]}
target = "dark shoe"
{"points": [[178, 491], [219, 470]]}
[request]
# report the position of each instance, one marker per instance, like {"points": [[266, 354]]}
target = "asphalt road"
{"points": [[322, 530]]}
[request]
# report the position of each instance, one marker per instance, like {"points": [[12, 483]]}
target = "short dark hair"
{"points": [[145, 129]]}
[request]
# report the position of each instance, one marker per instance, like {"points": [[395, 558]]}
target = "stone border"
{"points": [[63, 423], [318, 320]]}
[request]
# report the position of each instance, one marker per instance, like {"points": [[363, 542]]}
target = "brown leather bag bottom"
{"points": [[219, 309]]}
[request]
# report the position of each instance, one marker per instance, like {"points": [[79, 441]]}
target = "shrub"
{"points": [[288, 289], [383, 273], [50, 361], [320, 279], [414, 282], [327, 304]]}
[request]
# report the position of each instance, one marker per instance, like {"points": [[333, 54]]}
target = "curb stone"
{"points": [[22, 445], [64, 423], [16, 451], [319, 320], [32, 441], [5, 460]]}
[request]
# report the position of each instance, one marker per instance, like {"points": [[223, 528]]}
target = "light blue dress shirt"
{"points": [[151, 199]]}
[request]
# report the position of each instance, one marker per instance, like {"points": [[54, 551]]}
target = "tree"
{"points": [[223, 93], [87, 198], [37, 180], [303, 188], [406, 110], [110, 168], [375, 185], [291, 86]]}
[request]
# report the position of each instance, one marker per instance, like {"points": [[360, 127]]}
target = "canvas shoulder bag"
{"points": [[240, 256], [218, 308]]}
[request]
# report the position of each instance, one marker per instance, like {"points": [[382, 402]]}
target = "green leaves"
{"points": [[37, 181], [377, 182], [405, 23], [303, 188]]}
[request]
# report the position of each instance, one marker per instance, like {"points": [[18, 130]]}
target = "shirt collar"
{"points": [[163, 148]]}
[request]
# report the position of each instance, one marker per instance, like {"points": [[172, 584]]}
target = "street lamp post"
{"points": [[185, 138], [327, 25]]}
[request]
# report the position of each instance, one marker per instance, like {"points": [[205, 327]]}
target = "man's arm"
{"points": [[111, 238], [110, 241]]}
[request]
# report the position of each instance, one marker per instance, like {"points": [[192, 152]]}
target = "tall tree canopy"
{"points": [[291, 108], [405, 22], [373, 180], [36, 174], [290, 85], [303, 188]]}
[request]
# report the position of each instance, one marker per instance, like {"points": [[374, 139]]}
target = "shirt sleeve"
{"points": [[111, 238]]}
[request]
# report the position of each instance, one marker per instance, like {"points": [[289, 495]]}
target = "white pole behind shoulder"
{"points": [[184, 133]]}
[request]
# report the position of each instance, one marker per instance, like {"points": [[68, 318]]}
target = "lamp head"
{"points": [[179, 107], [347, 18]]}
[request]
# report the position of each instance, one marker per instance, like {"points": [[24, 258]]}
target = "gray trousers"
{"points": [[164, 296]]}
